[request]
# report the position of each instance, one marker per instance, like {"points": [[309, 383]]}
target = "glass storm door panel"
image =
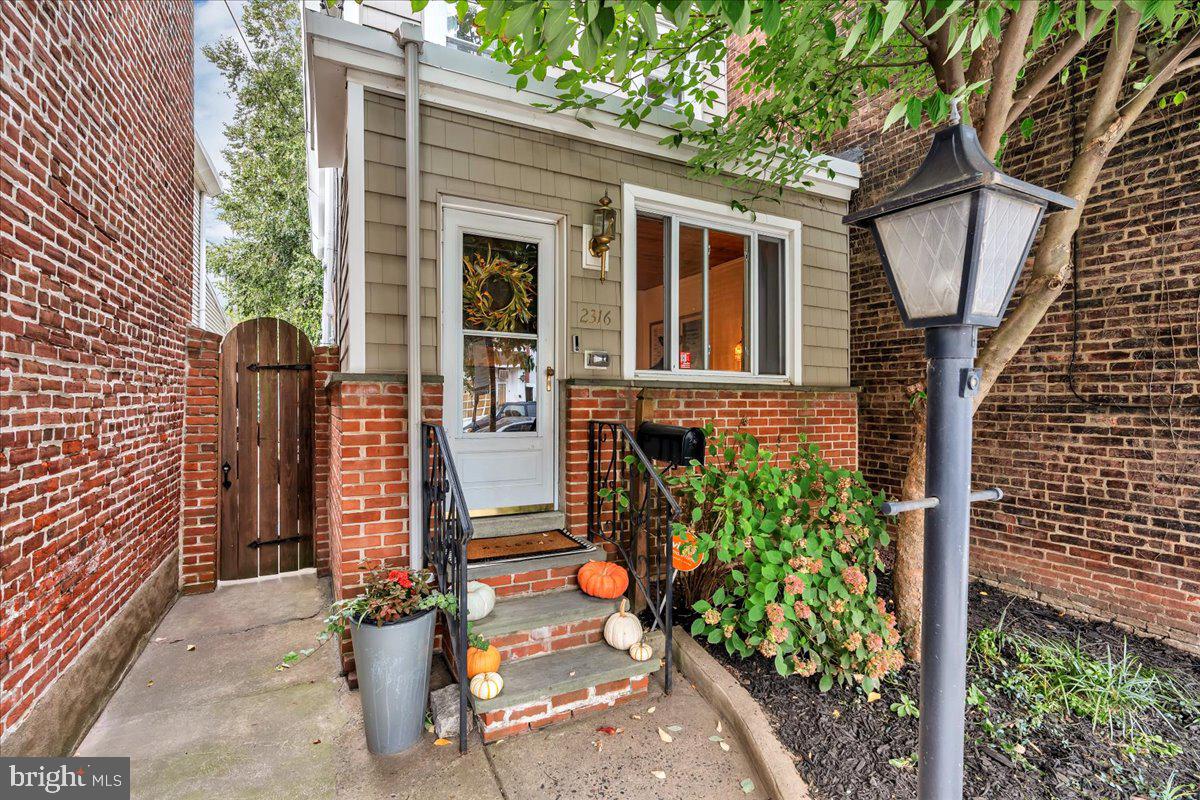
{"points": [[497, 359]]}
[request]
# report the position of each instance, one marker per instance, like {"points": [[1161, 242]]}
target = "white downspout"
{"points": [[412, 177]]}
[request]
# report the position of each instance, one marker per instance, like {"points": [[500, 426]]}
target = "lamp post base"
{"points": [[952, 383]]}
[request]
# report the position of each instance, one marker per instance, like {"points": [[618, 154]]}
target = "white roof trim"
{"points": [[470, 83], [204, 172]]}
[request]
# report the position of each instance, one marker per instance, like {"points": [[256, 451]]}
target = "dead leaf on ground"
{"points": [[160, 638], [718, 726], [608, 729], [191, 647], [747, 785], [316, 741], [650, 710], [666, 737], [873, 696], [441, 742], [725, 746], [149, 683], [658, 773], [674, 728], [635, 716]]}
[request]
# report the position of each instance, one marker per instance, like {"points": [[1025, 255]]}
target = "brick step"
{"points": [[534, 625], [533, 575], [565, 684]]}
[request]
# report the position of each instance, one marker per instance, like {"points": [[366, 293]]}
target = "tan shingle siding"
{"points": [[468, 156]]}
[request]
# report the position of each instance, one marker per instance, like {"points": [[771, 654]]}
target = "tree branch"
{"points": [[913, 32], [1168, 65], [1008, 62], [947, 69], [1050, 69]]}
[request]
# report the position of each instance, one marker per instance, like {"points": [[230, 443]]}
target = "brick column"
{"points": [[198, 485], [326, 361]]}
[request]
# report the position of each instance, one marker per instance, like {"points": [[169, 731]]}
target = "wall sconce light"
{"points": [[604, 230]]}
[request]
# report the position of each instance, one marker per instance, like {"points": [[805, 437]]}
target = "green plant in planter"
{"points": [[388, 595], [791, 551]]}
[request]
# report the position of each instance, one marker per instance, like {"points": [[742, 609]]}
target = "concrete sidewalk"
{"points": [[220, 721]]}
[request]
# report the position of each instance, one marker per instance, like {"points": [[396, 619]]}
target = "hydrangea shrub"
{"points": [[799, 542]]}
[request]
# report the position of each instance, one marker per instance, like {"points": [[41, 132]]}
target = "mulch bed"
{"points": [[843, 744]]}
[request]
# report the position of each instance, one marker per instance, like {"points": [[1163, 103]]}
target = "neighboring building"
{"points": [[1093, 430], [95, 247], [208, 311], [703, 314]]}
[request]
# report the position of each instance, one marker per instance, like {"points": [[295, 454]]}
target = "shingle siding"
{"points": [[472, 157]]}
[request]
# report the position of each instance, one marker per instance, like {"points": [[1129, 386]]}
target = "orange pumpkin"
{"points": [[481, 661], [603, 579], [683, 552]]}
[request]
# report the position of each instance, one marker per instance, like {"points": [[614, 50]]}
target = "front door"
{"points": [[498, 359]]}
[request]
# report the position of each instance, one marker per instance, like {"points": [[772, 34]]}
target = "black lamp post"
{"points": [[953, 241]]}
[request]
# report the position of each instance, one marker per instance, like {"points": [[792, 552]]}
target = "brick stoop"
{"points": [[555, 663], [564, 685]]}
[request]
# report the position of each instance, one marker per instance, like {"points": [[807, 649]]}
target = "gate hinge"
{"points": [[296, 367], [285, 540]]}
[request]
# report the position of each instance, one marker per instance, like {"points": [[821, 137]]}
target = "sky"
{"points": [[214, 107]]}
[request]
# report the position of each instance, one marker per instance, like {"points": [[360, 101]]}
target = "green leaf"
{"points": [[697, 626], [1027, 127], [772, 15], [826, 682], [1179, 97], [896, 9], [738, 14], [912, 112], [648, 20], [418, 5]]}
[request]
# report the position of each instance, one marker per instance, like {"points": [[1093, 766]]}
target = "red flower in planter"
{"points": [[401, 577]]}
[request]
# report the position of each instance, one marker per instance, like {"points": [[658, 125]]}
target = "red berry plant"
{"points": [[388, 595], [794, 548]]}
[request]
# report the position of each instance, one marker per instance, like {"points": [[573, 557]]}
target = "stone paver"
{"points": [[220, 721]]}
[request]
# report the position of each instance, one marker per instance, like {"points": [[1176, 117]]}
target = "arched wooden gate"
{"points": [[266, 482]]}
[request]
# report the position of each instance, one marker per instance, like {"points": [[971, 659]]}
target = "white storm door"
{"points": [[498, 359]]}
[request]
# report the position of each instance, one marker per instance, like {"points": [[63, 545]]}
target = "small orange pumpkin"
{"points": [[603, 579], [683, 552], [481, 661]]}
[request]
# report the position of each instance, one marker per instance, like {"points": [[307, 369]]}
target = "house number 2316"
{"points": [[596, 316]]}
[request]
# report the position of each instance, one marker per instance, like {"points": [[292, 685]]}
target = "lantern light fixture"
{"points": [[604, 231], [954, 238], [953, 241]]}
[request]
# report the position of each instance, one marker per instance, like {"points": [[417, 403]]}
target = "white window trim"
{"points": [[640, 198]]}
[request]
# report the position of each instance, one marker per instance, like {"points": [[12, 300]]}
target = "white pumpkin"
{"points": [[622, 630], [641, 651], [481, 599], [487, 685]]}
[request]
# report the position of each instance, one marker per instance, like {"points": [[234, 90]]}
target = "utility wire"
{"points": [[242, 36]]}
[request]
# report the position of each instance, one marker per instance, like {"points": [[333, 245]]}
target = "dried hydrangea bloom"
{"points": [[802, 609], [775, 613], [874, 642], [728, 631], [805, 668], [854, 579], [712, 616], [777, 634], [853, 641], [793, 584], [767, 648]]}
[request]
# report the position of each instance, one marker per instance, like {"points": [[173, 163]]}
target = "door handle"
{"points": [[549, 379], [225, 482]]}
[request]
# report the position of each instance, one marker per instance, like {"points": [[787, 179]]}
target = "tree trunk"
{"points": [[908, 573]]}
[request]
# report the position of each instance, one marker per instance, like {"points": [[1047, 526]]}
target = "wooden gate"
{"points": [[266, 450]]}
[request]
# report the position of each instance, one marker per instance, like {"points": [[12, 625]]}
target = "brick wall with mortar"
{"points": [[95, 243], [777, 417], [200, 482], [1101, 471], [368, 477]]}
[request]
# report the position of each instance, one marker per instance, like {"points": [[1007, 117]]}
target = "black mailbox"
{"points": [[675, 444]]}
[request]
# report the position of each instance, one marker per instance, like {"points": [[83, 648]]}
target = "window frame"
{"points": [[680, 209]]}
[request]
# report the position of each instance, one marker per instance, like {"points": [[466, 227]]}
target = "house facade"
{"points": [[696, 314]]}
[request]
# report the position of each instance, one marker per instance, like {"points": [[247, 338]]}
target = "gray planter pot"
{"points": [[392, 662]]}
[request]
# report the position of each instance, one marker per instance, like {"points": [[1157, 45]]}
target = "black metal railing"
{"points": [[630, 508], [447, 530]]}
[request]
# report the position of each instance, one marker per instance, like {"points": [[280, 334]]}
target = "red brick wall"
{"points": [[326, 361], [201, 445], [368, 478], [95, 245], [1103, 486], [778, 418]]}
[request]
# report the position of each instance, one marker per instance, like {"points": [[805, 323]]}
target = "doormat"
{"points": [[523, 545]]}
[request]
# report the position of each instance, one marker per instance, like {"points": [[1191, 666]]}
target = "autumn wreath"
{"points": [[497, 293]]}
